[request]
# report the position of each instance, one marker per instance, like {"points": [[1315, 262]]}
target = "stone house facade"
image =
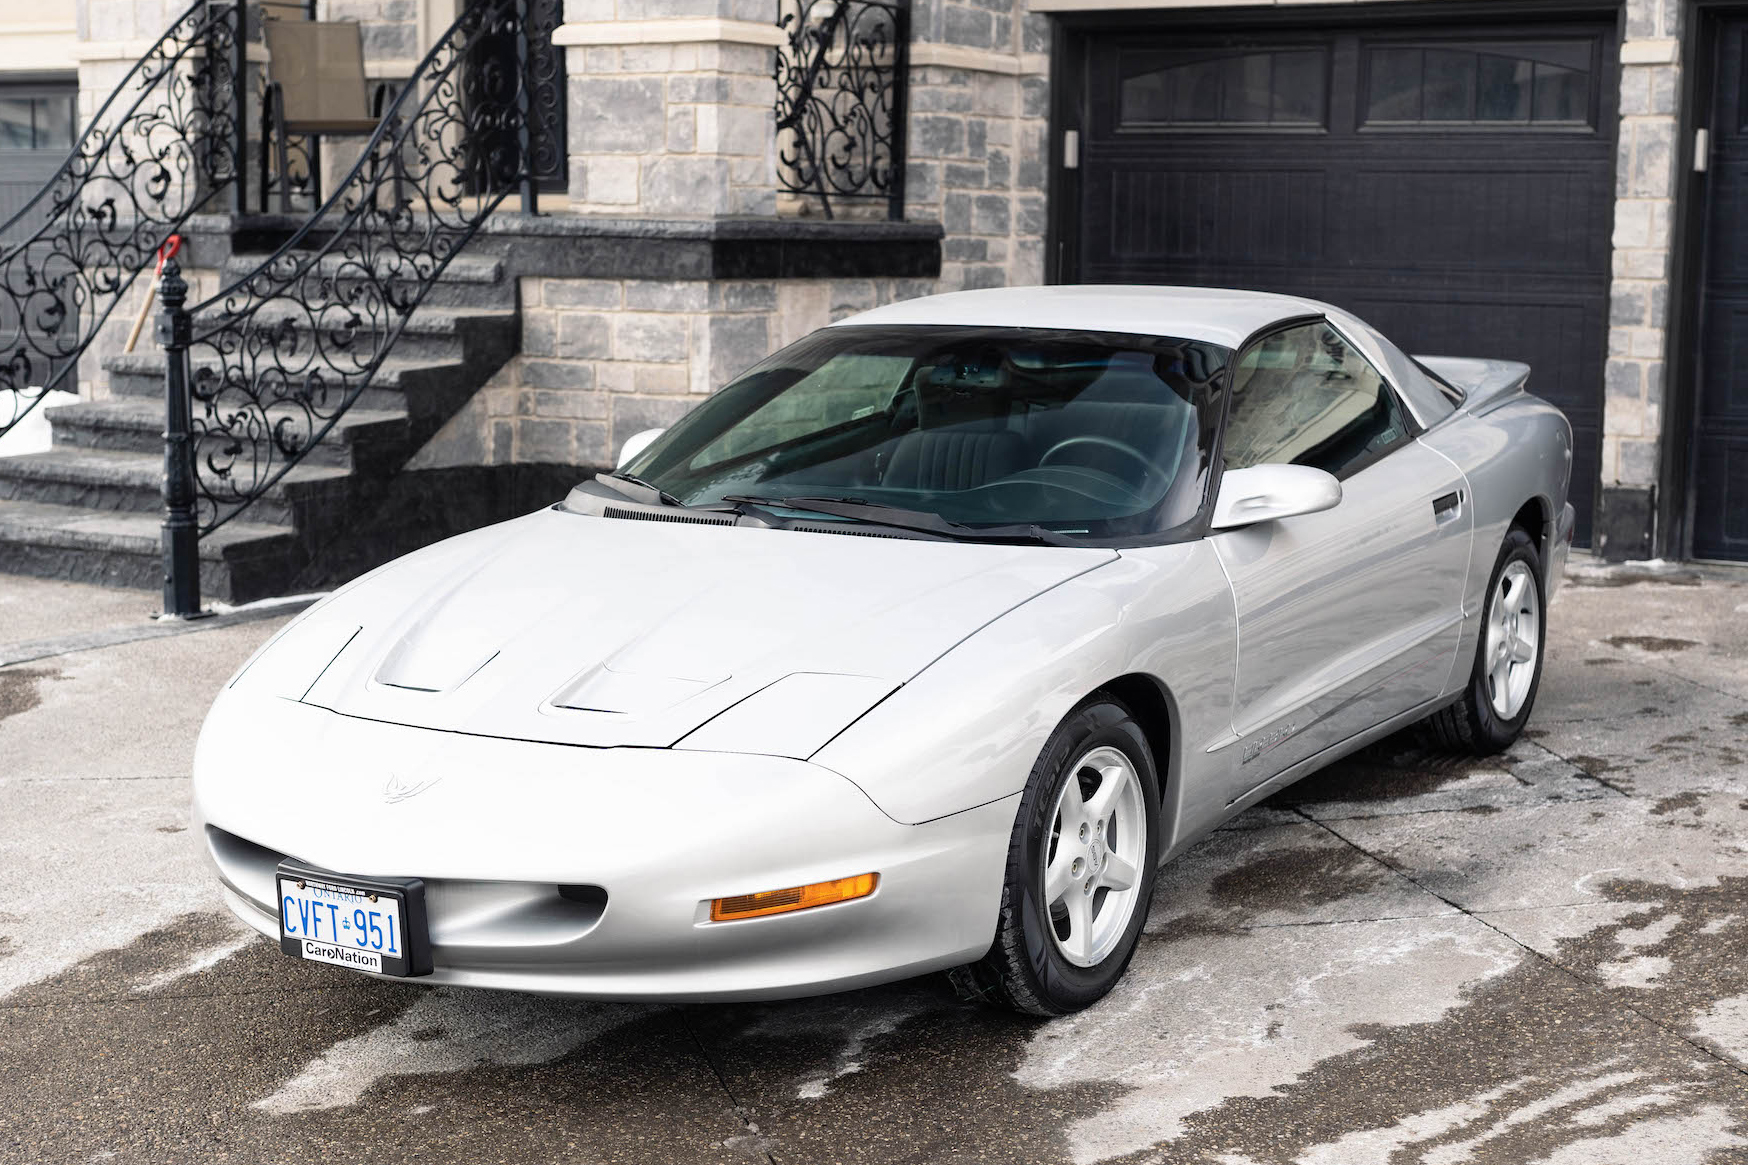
{"points": [[1038, 142]]}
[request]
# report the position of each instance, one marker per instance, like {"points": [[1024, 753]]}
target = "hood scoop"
{"points": [[602, 689], [416, 665]]}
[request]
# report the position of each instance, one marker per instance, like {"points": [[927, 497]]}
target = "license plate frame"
{"points": [[405, 895]]}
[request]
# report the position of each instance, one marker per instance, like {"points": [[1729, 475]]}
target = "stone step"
{"points": [[135, 424], [429, 335], [90, 507], [396, 386], [239, 562], [101, 479], [467, 281]]}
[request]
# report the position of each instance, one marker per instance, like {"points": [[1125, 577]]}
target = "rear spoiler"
{"points": [[1484, 384]]}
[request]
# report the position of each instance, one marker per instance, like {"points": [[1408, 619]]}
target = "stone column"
{"points": [[979, 102], [671, 106], [1639, 295]]}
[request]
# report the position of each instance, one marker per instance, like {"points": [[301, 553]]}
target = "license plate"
{"points": [[366, 924]]}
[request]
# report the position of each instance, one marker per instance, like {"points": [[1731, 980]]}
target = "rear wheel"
{"points": [[1080, 868], [1508, 659]]}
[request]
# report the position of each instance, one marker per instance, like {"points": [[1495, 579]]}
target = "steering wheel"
{"points": [[1148, 470]]}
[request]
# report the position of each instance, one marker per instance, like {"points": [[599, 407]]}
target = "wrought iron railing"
{"points": [[273, 361], [160, 148], [841, 83]]}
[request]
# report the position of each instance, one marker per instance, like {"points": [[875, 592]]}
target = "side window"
{"points": [[1304, 396]]}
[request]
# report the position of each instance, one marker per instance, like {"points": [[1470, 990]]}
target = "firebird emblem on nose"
{"points": [[398, 788]]}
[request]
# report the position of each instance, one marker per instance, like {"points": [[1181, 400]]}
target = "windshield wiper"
{"points": [[661, 495], [881, 514]]}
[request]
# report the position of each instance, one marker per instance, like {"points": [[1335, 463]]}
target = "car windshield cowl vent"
{"points": [[858, 531], [693, 518]]}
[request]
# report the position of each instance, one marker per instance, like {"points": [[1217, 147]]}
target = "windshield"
{"points": [[1080, 433]]}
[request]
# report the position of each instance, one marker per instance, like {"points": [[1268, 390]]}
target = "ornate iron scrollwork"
{"points": [[162, 146], [279, 356], [840, 100], [548, 161]]}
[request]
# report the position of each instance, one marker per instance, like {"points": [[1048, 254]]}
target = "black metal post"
{"points": [[240, 108], [524, 114], [181, 527], [900, 96]]}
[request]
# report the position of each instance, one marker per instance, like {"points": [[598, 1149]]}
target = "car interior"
{"points": [[988, 431]]}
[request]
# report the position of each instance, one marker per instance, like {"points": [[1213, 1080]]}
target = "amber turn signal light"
{"points": [[794, 898]]}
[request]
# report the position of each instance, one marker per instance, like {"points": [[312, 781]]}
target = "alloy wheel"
{"points": [[1091, 867], [1513, 640]]}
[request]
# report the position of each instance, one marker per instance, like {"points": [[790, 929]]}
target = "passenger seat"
{"points": [[954, 459]]}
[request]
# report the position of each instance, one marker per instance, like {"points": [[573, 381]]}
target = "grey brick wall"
{"points": [[671, 129], [1644, 216], [388, 28], [977, 139], [605, 358]]}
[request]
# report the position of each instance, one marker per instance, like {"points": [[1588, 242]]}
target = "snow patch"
{"points": [[448, 1030], [1265, 1007], [205, 960], [1725, 1026], [1677, 1137], [856, 1025], [1639, 971]]}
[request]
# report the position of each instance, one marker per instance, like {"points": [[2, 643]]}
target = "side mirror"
{"points": [[635, 444], [1266, 493]]}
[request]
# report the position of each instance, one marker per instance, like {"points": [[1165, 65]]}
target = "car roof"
{"points": [[1216, 315]]}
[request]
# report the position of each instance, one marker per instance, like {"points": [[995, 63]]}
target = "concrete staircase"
{"points": [[89, 508]]}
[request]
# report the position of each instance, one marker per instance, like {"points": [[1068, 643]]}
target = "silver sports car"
{"points": [[919, 646]]}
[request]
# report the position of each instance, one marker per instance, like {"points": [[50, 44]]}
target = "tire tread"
{"points": [[1003, 977], [1462, 726]]}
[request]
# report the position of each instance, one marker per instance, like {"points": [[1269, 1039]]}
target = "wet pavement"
{"points": [[1538, 957]]}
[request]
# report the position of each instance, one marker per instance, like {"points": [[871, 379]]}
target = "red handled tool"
{"points": [[166, 252]]}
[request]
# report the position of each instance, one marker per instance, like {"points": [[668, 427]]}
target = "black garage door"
{"points": [[1454, 186], [1720, 454]]}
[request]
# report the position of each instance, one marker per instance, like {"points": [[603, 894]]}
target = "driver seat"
{"points": [[954, 459]]}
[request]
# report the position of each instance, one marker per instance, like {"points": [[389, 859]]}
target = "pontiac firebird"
{"points": [[918, 647]]}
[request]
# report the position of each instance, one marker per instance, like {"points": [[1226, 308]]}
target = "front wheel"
{"points": [[1080, 869], [1508, 659]]}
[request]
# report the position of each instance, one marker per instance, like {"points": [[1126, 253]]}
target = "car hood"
{"points": [[604, 632]]}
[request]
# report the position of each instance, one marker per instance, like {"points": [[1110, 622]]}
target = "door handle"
{"points": [[1448, 506]]}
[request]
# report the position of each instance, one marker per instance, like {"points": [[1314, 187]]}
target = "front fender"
{"points": [[967, 729]]}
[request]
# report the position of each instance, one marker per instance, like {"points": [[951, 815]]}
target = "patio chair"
{"points": [[315, 87]]}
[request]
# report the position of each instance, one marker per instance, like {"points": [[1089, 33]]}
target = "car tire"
{"points": [[1502, 686], [1056, 956]]}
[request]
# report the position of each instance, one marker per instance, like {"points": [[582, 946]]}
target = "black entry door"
{"points": [[1452, 186], [1720, 449]]}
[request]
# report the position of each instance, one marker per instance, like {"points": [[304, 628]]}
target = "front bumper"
{"points": [[641, 839]]}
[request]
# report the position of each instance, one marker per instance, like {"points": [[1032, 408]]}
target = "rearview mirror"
{"points": [[1266, 493], [635, 444]]}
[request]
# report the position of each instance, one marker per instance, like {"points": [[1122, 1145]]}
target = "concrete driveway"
{"points": [[1408, 958]]}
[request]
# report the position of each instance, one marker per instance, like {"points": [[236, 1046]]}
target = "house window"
{"points": [[36, 117], [1259, 89], [1515, 83]]}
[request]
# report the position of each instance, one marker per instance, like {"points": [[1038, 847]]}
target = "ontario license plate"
{"points": [[366, 924]]}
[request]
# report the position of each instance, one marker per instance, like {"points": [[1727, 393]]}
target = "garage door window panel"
{"points": [[1305, 396], [1529, 84], [1284, 88]]}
